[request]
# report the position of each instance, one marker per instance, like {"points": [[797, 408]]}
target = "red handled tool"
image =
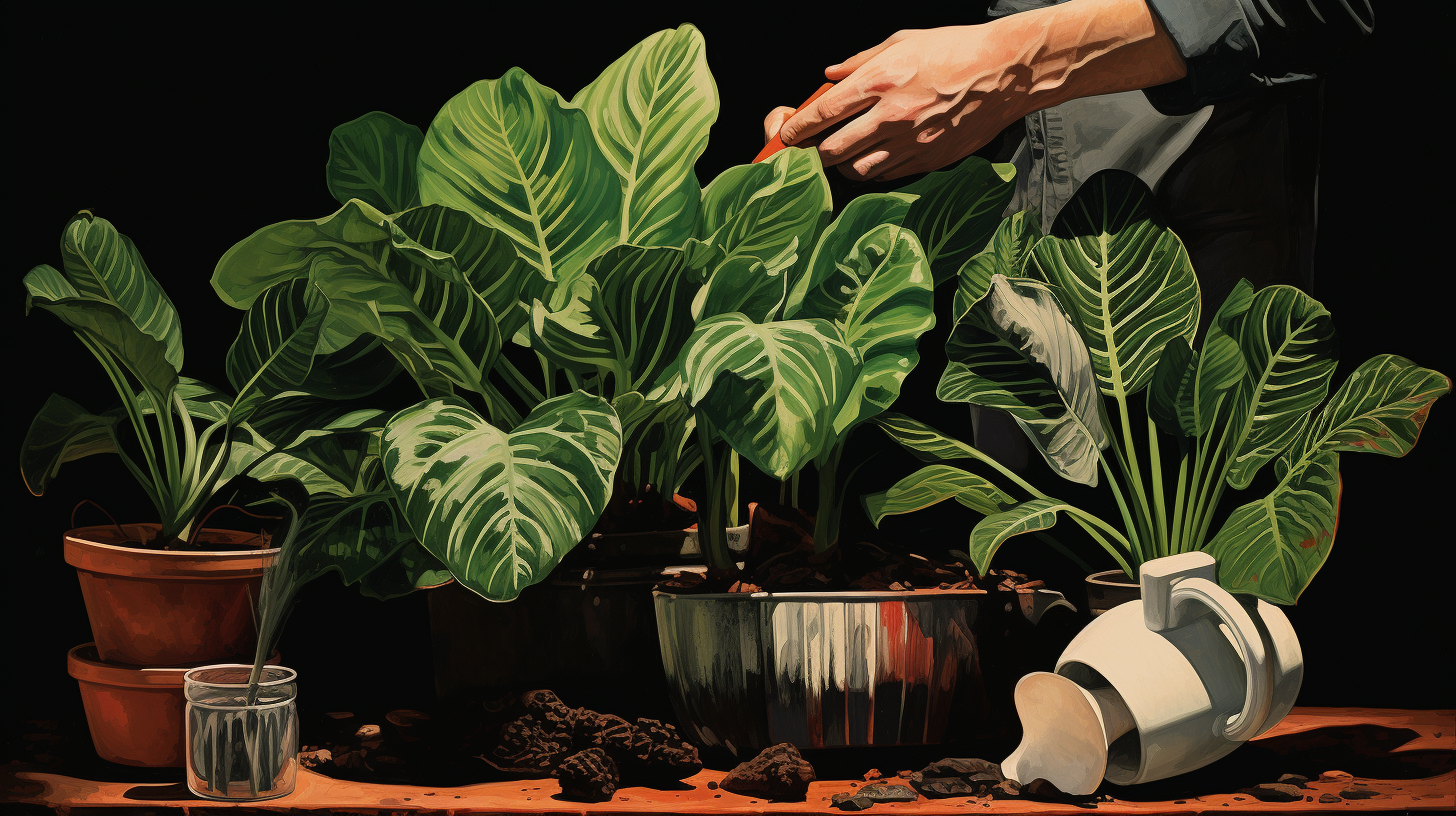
{"points": [[776, 144]]}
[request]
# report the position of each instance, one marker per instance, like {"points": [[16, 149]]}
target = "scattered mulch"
{"points": [[957, 777], [588, 776], [1275, 792], [779, 774], [781, 557]]}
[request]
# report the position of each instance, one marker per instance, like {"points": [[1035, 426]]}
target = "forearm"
{"points": [[1086, 48]]}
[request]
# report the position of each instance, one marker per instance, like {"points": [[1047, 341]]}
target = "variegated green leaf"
{"points": [[880, 295], [746, 285], [770, 389], [373, 159], [1126, 279], [651, 110], [44, 283], [501, 509], [351, 535], [61, 432], [993, 531], [511, 153], [958, 210], [1220, 364], [106, 327], [1381, 408], [1016, 350], [925, 442], [934, 484], [1007, 254], [762, 210], [411, 567], [657, 432], [860, 216], [1288, 344], [1272, 547], [275, 348], [104, 265], [580, 335], [1172, 400]]}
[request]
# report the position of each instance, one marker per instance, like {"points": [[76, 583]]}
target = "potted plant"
{"points": [[1100, 317]]}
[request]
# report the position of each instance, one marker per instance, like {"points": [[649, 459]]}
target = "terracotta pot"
{"points": [[168, 607], [135, 714], [1108, 589]]}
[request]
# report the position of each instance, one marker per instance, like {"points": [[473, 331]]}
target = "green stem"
{"points": [[711, 516], [1160, 504], [1203, 509], [1134, 541], [500, 409], [1176, 545], [518, 382], [826, 516], [159, 494], [1082, 516], [730, 487], [794, 490], [1128, 461], [548, 376]]}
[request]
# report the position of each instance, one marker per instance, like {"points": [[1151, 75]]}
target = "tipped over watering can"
{"points": [[1158, 687]]}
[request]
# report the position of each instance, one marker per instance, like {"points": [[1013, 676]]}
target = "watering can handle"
{"points": [[1258, 690]]}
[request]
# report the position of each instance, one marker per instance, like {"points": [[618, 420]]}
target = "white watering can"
{"points": [[1158, 687]]}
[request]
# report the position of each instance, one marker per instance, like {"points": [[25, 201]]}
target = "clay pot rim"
{"points": [[841, 595], [84, 551], [1109, 578], [83, 664]]}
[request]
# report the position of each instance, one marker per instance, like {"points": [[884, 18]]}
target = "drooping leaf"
{"points": [[1288, 344], [993, 531], [105, 326], [500, 510], [769, 388], [373, 159], [1016, 350], [860, 216], [1271, 548], [761, 210], [411, 567], [934, 484], [657, 431], [651, 111], [1381, 408], [1126, 278], [925, 442], [104, 265], [511, 153], [1007, 254], [957, 211], [62, 432], [880, 295]]}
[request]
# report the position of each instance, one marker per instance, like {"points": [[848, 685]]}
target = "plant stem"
{"points": [[1176, 545], [1133, 473], [159, 494], [518, 381], [1203, 509], [826, 516], [1089, 519], [794, 490], [1160, 504], [1135, 543], [711, 516]]}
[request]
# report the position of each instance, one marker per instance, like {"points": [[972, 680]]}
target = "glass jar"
{"points": [[242, 739]]}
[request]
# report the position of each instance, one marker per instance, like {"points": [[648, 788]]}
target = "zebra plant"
{"points": [[1063, 331]]}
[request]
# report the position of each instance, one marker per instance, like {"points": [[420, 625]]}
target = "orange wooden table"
{"points": [[1407, 758]]}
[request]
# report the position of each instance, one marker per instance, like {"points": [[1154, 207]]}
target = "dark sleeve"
{"points": [[1238, 46]]}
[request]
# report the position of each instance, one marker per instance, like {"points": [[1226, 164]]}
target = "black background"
{"points": [[189, 135]]}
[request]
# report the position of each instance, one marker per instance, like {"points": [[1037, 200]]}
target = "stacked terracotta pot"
{"points": [[155, 614]]}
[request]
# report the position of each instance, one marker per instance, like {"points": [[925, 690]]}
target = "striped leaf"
{"points": [[934, 484], [501, 509], [275, 348], [925, 442], [859, 216], [881, 298], [107, 327], [1126, 278], [511, 153], [1288, 344], [957, 211], [745, 285], [1271, 548], [62, 432], [1007, 254], [651, 110], [993, 531], [103, 265], [770, 389], [411, 567], [373, 159], [1381, 408], [350, 535], [1016, 350], [657, 433], [630, 313], [1171, 393], [761, 210]]}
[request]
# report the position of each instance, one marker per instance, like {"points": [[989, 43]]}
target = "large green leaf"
{"points": [[958, 210], [1272, 547], [762, 210], [860, 215], [1007, 254], [1381, 408], [881, 297], [113, 332], [275, 348], [513, 154], [1189, 388], [657, 437], [1288, 344], [105, 266], [350, 535], [61, 432], [373, 159], [993, 531], [1126, 278], [1172, 391], [630, 313], [1016, 350], [487, 259], [651, 111], [411, 567], [771, 389], [500, 510], [746, 285], [934, 484]]}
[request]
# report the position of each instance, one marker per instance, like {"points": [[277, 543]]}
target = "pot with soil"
{"points": [[1110, 588]]}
